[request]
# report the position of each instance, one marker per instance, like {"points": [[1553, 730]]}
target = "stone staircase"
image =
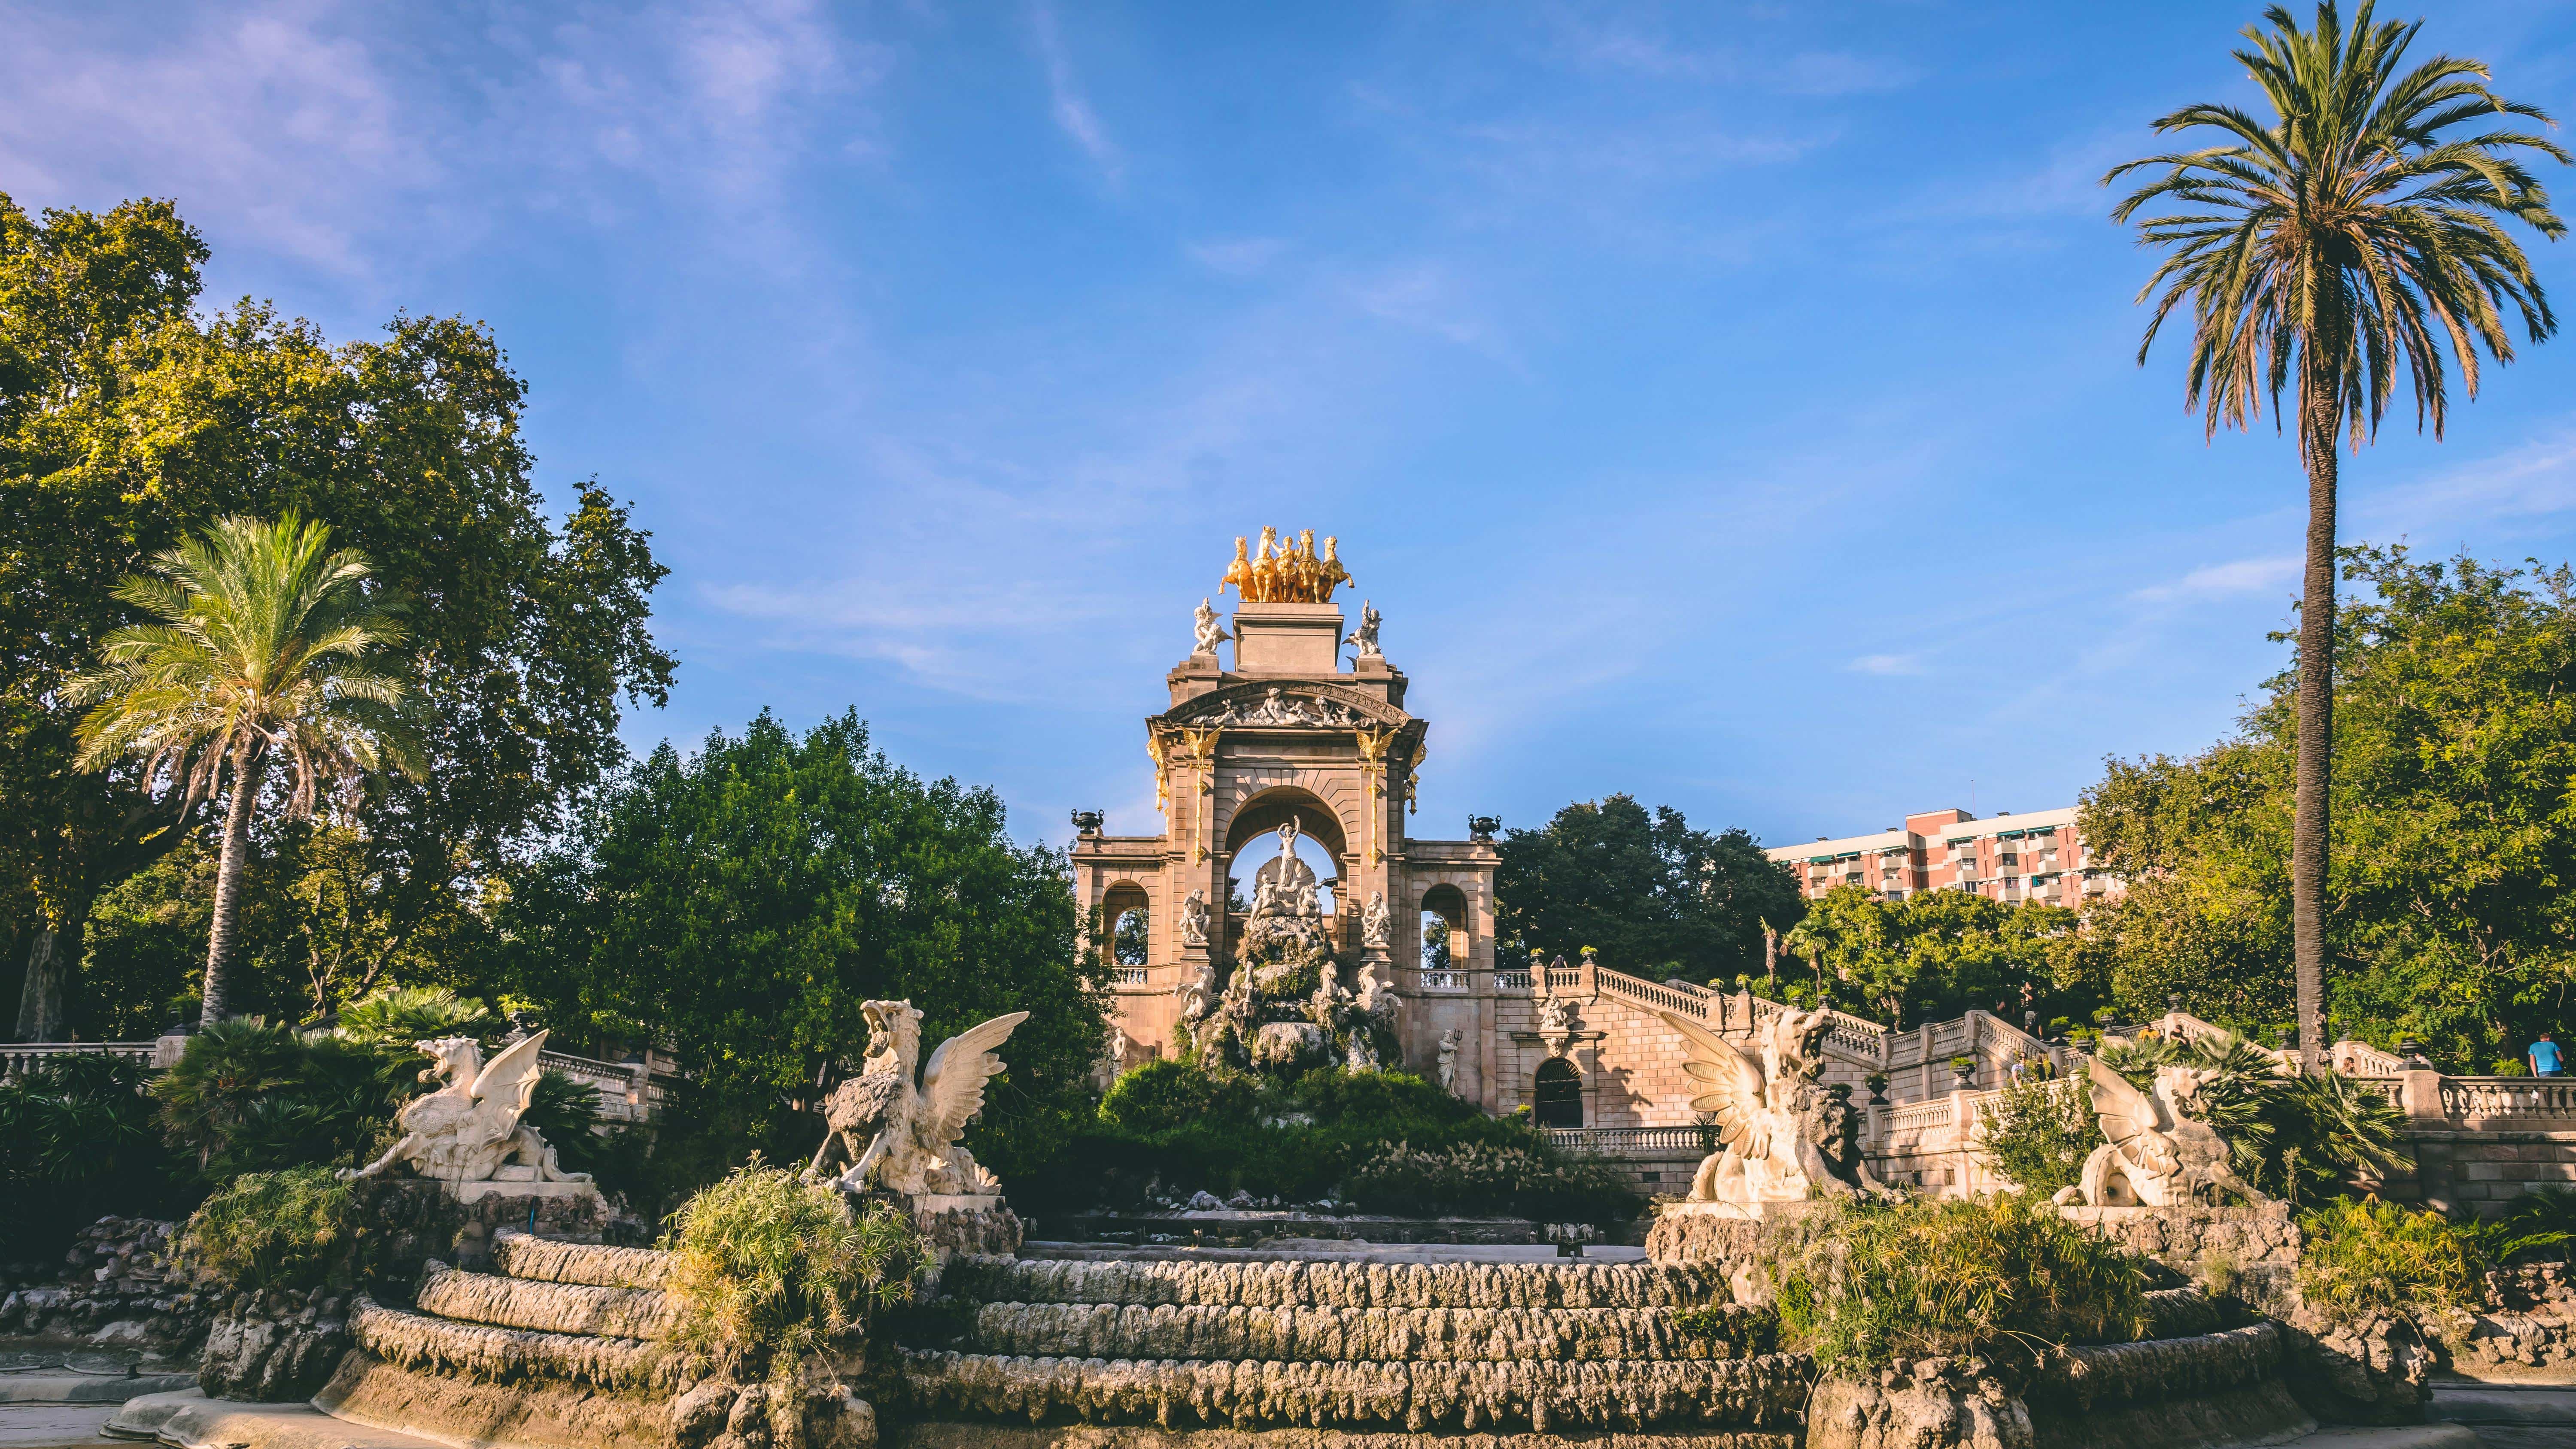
{"points": [[564, 1345], [1349, 1349]]}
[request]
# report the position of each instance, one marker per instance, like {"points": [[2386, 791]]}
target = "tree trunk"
{"points": [[247, 761], [42, 1012], [2310, 827]]}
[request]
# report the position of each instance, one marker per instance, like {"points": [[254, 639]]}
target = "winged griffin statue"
{"points": [[1780, 1134], [469, 1129], [2154, 1152], [899, 1135]]}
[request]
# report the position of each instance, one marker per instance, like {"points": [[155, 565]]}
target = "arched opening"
{"points": [[1444, 929], [1126, 921], [1320, 841], [1557, 1100]]}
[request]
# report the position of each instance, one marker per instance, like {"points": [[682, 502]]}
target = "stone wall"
{"points": [[112, 1290]]}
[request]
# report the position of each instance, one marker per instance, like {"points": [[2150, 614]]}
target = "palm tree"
{"points": [[257, 656], [2348, 240]]}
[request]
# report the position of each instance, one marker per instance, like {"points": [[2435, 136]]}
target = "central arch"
{"points": [[1269, 809]]}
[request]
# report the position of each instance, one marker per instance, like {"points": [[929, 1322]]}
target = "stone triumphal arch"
{"points": [[1292, 733]]}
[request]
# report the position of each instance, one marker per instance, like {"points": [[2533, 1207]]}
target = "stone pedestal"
{"points": [[1288, 639], [979, 1223]]}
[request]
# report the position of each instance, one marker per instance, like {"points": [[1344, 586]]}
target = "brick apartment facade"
{"points": [[2038, 856]]}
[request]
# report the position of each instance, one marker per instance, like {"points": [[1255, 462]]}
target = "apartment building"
{"points": [[2039, 856]]}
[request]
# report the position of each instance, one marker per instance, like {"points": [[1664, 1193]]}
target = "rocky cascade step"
{"points": [[421, 1342], [1296, 1283], [545, 1306], [1414, 1397], [1212, 1331], [547, 1260]]}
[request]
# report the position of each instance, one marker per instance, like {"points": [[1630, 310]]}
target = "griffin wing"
{"points": [[1731, 1082], [952, 1086], [2129, 1116], [503, 1089]]}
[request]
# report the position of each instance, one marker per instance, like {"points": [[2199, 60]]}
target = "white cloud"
{"points": [[2534, 480], [2223, 580], [1888, 664], [1238, 256], [1070, 107]]}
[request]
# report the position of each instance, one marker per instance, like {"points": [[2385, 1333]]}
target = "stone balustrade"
{"points": [[19, 1058]]}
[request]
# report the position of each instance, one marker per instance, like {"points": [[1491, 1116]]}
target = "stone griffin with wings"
{"points": [[1779, 1133], [469, 1129], [2154, 1153], [910, 1130]]}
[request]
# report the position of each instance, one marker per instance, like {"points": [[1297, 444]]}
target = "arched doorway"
{"points": [[1558, 1098], [1320, 843], [1125, 919], [1444, 929]]}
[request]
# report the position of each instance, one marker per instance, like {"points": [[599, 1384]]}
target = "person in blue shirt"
{"points": [[2545, 1060]]}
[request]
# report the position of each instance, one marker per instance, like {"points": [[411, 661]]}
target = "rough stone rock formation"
{"points": [[953, 1435], [110, 1290], [275, 1346], [1293, 1283], [2531, 1330], [1702, 1238], [458, 1408], [1755, 1393], [507, 1355], [2205, 1389], [546, 1260], [2184, 1312], [547, 1307], [2377, 1370], [2250, 1252], [1203, 1331]]}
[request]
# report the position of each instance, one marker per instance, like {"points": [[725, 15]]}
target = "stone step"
{"points": [[1224, 1332], [546, 1307], [427, 1344], [550, 1260], [1544, 1396], [1316, 1283]]}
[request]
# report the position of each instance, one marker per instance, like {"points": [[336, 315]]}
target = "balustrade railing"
{"points": [[1443, 980], [1129, 975], [1689, 1141], [1511, 981], [19, 1058], [2487, 1099]]}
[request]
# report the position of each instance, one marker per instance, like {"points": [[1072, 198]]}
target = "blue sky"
{"points": [[1729, 405]]}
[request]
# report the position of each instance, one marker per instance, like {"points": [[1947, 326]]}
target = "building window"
{"points": [[1558, 1099]]}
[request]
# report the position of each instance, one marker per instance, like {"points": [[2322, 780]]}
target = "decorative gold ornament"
{"points": [[1201, 748], [1162, 775], [1279, 572]]}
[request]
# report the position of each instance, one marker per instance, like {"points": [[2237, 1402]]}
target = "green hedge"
{"points": [[1384, 1141]]}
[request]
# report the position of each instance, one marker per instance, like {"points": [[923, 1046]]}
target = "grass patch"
{"points": [[2364, 1256], [298, 1228], [1863, 1284], [772, 1273]]}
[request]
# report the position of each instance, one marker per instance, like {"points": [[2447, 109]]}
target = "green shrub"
{"points": [[250, 1097], [1161, 1095], [77, 1141], [400, 1015], [290, 1229], [1864, 1282], [2369, 1255], [2039, 1132], [771, 1272], [1470, 1177]]}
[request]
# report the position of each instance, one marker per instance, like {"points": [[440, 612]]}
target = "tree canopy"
{"points": [[129, 419], [741, 902], [2451, 887], [1656, 897], [1931, 956]]}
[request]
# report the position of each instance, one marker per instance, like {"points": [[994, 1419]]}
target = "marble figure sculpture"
{"points": [[2154, 1154], [469, 1129], [1780, 1133], [911, 1129]]}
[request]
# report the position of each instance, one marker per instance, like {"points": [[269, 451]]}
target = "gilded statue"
{"points": [[1274, 571]]}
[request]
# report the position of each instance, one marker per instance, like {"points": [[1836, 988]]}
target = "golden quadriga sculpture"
{"points": [[1285, 572]]}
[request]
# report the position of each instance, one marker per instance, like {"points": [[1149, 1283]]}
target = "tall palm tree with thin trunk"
{"points": [[2354, 236], [257, 657]]}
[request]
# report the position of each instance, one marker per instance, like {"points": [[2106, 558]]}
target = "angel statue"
{"points": [[911, 1130], [2154, 1153], [469, 1130], [1210, 632], [1779, 1134]]}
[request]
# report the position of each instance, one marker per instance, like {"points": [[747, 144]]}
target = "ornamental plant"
{"points": [[774, 1273]]}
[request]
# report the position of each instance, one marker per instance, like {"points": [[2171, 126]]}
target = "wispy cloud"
{"points": [[1237, 256], [1805, 72], [1066, 102], [1888, 664], [2534, 480], [2225, 580]]}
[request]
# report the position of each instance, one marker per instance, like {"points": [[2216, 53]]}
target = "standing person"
{"points": [[2544, 1058]]}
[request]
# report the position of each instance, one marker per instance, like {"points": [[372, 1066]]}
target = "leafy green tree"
{"points": [[258, 659], [2346, 242], [127, 421], [1655, 896], [2450, 911], [1935, 954], [740, 903]]}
